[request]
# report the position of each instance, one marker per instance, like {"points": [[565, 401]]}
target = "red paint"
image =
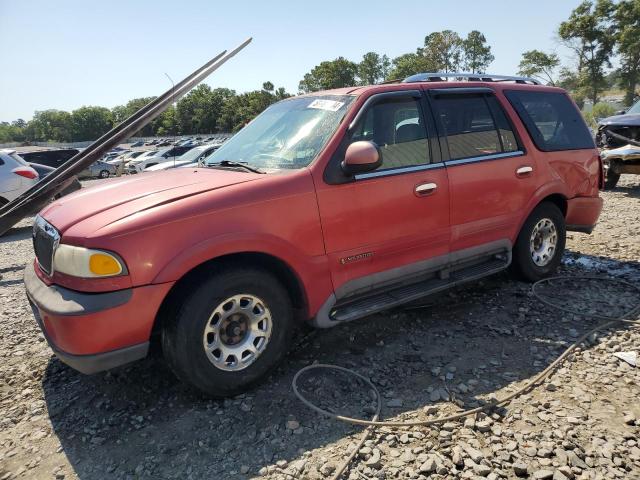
{"points": [[164, 224], [110, 329]]}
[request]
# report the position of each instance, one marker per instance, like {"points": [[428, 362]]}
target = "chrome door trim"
{"points": [[484, 158], [398, 171]]}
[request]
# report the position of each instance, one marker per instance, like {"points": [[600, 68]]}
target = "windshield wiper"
{"points": [[231, 163]]}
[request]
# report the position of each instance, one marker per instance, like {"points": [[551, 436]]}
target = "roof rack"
{"points": [[467, 77]]}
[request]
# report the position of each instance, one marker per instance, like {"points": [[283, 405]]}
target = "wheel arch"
{"points": [[554, 193], [278, 267]]}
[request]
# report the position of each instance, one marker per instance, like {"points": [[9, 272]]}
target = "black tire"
{"points": [[103, 174], [523, 264], [611, 180], [183, 336]]}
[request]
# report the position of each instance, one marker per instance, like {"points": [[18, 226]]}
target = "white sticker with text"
{"points": [[322, 104]]}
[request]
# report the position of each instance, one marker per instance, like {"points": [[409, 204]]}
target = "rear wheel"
{"points": [[230, 332], [104, 174], [540, 244]]}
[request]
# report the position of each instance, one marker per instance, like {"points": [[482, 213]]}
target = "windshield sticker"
{"points": [[330, 105]]}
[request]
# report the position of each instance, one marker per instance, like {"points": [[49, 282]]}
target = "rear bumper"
{"points": [[583, 213], [92, 332]]}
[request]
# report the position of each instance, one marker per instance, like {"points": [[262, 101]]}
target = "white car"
{"points": [[192, 156], [132, 165], [16, 176]]}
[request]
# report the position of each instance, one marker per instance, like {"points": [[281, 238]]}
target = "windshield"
{"points": [[635, 108], [288, 134]]}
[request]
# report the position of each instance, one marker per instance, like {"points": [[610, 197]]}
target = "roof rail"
{"points": [[467, 77]]}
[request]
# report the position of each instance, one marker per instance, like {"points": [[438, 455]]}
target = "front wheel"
{"points": [[230, 331], [103, 174], [540, 244]]}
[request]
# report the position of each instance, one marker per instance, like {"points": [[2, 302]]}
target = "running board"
{"points": [[407, 293]]}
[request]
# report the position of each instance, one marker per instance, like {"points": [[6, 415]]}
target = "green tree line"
{"points": [[203, 110]]}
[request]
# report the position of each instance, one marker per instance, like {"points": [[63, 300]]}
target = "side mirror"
{"points": [[620, 112], [361, 157]]}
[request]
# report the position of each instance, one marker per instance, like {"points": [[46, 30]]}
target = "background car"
{"points": [[160, 156], [191, 158], [44, 170], [98, 170], [51, 158], [16, 176], [139, 143]]}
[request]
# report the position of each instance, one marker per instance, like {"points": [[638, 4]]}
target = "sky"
{"points": [[64, 54]]}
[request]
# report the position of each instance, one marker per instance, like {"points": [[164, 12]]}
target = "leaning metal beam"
{"points": [[39, 195]]}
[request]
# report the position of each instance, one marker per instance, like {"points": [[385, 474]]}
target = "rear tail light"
{"points": [[601, 177], [26, 172]]}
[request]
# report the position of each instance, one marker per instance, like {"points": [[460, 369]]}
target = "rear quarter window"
{"points": [[552, 120]]}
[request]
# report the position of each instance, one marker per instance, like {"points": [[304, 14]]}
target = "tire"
{"points": [[103, 174], [184, 338], [531, 263], [611, 180]]}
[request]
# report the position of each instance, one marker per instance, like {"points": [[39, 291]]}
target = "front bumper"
{"points": [[583, 213], [92, 332]]}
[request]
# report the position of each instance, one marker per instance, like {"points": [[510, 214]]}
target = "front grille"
{"points": [[45, 241]]}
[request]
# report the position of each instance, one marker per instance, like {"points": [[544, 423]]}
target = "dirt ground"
{"points": [[455, 350]]}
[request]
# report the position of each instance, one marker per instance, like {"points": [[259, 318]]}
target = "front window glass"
{"points": [[288, 134], [396, 125]]}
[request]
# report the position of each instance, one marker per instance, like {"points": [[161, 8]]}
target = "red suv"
{"points": [[325, 208]]}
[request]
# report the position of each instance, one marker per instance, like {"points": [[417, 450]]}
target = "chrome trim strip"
{"points": [[399, 171], [483, 158]]}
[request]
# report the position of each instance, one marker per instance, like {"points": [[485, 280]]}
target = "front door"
{"points": [[380, 227]]}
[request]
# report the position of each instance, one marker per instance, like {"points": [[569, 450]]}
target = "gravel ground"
{"points": [[456, 350]]}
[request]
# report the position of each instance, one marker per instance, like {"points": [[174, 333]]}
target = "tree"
{"points": [[373, 68], [627, 24], [329, 74], [539, 65], [589, 32], [407, 65], [89, 123], [49, 125], [443, 51], [476, 54]]}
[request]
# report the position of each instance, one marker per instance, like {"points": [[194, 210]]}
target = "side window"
{"points": [[397, 126], [474, 126], [551, 119]]}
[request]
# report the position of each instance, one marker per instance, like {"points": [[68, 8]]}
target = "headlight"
{"points": [[86, 263]]}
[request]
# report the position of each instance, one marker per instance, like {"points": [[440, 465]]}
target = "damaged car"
{"points": [[618, 137]]}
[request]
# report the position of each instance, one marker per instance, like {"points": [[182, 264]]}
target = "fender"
{"points": [[310, 270]]}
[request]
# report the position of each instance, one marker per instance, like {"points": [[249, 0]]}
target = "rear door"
{"points": [[491, 176], [383, 226]]}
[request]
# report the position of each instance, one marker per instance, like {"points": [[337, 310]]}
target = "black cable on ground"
{"points": [[374, 422]]}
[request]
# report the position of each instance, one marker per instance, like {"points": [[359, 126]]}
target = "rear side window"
{"points": [[397, 126], [474, 126], [552, 120]]}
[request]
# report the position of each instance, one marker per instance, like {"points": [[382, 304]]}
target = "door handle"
{"points": [[425, 189], [524, 171]]}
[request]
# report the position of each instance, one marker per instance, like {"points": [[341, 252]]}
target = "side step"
{"points": [[407, 293]]}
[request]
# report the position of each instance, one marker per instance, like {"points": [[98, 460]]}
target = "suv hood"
{"points": [[117, 199]]}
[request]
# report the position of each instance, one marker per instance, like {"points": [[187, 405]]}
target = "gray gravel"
{"points": [[456, 350]]}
